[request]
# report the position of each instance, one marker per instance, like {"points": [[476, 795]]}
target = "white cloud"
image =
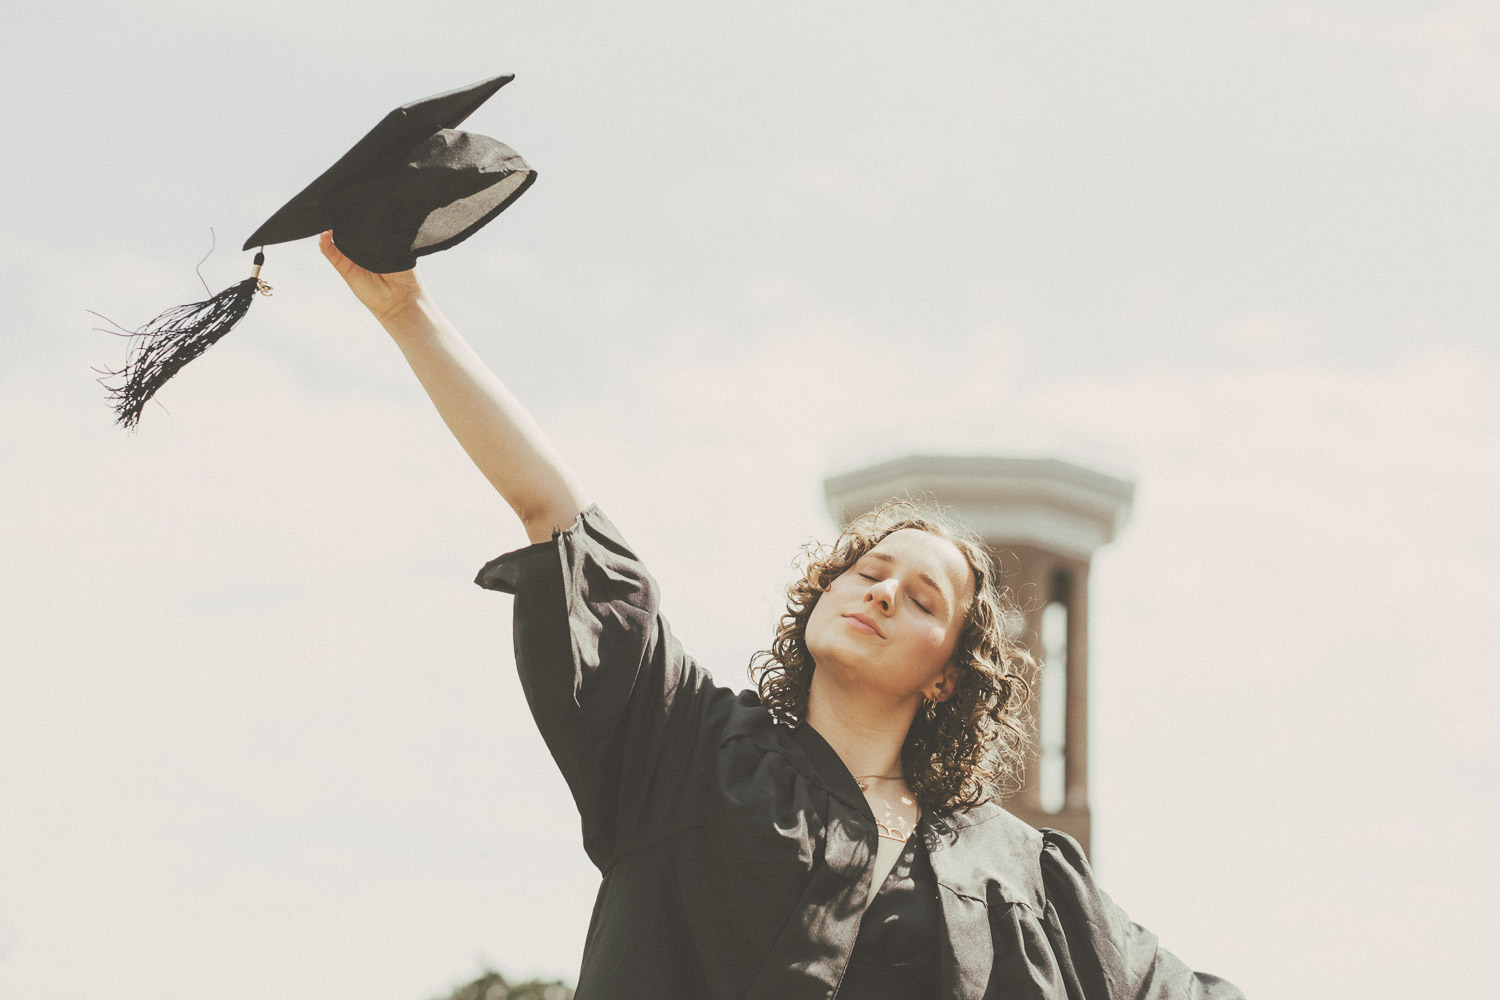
{"points": [[1447, 56], [1296, 636]]}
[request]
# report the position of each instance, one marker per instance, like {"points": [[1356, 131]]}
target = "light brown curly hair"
{"points": [[959, 752]]}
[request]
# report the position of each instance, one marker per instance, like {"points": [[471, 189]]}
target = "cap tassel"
{"points": [[174, 338]]}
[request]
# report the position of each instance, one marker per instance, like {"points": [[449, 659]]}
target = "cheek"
{"points": [[940, 642], [927, 644], [817, 623], [838, 584], [945, 638]]}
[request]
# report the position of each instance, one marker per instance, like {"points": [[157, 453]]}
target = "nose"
{"points": [[883, 593]]}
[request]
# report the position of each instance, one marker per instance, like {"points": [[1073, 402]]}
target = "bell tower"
{"points": [[1042, 519]]}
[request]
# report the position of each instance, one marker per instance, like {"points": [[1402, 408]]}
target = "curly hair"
{"points": [[959, 752]]}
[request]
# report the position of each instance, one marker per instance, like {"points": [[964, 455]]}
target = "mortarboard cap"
{"points": [[412, 186]]}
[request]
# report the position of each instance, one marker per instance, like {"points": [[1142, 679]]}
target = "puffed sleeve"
{"points": [[618, 703], [1111, 955]]}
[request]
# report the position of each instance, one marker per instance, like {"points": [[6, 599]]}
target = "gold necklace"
{"points": [[886, 831], [864, 780]]}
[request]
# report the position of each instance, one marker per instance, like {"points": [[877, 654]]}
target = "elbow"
{"points": [[543, 521]]}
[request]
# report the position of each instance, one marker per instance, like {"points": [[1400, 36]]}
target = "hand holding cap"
{"points": [[412, 186]]}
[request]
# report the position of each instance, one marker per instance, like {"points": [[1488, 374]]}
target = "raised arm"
{"points": [[500, 437]]}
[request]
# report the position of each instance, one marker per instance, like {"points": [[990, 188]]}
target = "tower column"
{"points": [[1078, 704]]}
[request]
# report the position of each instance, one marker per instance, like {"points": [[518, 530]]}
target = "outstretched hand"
{"points": [[382, 294]]}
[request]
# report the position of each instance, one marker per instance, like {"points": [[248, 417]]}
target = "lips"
{"points": [[866, 624]]}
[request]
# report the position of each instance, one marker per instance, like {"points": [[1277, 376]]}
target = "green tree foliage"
{"points": [[492, 986]]}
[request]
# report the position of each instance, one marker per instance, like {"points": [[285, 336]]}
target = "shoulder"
{"points": [[987, 853], [991, 824]]}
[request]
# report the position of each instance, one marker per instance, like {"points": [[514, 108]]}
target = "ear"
{"points": [[945, 687]]}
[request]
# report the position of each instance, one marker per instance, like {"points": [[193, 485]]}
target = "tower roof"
{"points": [[1046, 502]]}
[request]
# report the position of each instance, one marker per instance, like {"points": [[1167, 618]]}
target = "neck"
{"points": [[867, 736]]}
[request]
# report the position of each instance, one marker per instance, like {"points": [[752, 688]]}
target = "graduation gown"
{"points": [[737, 852]]}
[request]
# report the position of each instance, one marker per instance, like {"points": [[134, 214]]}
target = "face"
{"points": [[890, 622]]}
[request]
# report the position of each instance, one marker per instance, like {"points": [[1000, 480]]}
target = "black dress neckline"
{"points": [[895, 953]]}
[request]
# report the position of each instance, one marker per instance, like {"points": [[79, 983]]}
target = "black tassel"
{"points": [[174, 338]]}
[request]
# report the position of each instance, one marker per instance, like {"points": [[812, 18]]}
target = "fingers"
{"points": [[346, 268], [325, 243]]}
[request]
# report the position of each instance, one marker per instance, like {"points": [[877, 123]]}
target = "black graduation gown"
{"points": [[736, 852]]}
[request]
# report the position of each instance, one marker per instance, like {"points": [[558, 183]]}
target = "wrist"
{"points": [[410, 314]]}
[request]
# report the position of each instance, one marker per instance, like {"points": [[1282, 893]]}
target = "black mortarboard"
{"points": [[412, 186]]}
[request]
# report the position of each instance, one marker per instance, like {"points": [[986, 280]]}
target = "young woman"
{"points": [[832, 834]]}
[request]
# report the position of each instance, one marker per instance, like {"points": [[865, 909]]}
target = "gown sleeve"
{"points": [[618, 703], [1111, 955]]}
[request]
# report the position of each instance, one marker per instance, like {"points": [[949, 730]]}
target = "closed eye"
{"points": [[924, 607]]}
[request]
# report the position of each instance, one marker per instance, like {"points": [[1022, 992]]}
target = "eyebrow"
{"points": [[926, 578]]}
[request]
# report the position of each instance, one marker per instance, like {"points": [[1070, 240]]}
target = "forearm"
{"points": [[501, 438]]}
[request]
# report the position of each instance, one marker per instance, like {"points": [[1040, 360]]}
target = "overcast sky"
{"points": [[260, 736]]}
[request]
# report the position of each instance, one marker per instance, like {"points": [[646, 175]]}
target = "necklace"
{"points": [[886, 831], [863, 781]]}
